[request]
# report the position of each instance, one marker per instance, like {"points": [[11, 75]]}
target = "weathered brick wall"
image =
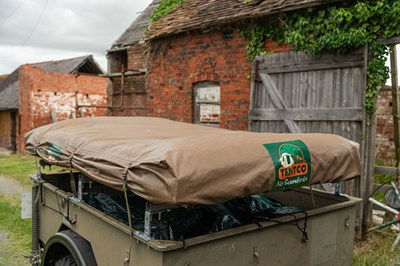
{"points": [[136, 57], [385, 150], [42, 93]]}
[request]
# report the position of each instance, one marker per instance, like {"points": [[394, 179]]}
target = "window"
{"points": [[207, 104]]}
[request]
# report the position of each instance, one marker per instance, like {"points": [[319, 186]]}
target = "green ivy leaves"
{"points": [[165, 7], [377, 74], [336, 30]]}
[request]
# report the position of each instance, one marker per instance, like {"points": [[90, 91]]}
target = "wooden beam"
{"points": [[311, 64], [384, 170], [395, 99], [367, 147], [278, 101], [381, 188], [273, 92], [254, 76], [391, 41], [296, 114], [126, 74]]}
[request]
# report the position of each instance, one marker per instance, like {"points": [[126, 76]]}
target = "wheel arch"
{"points": [[68, 242]]}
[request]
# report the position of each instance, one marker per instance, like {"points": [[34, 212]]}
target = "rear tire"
{"points": [[66, 261], [67, 248]]}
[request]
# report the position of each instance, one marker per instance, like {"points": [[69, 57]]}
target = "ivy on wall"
{"points": [[165, 7], [336, 30]]}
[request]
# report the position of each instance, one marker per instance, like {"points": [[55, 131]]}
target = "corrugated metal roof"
{"points": [[198, 14], [9, 87], [134, 33]]}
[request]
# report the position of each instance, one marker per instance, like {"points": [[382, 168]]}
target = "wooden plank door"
{"points": [[297, 92]]}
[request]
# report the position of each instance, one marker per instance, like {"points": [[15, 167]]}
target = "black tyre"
{"points": [[67, 248], [66, 261]]}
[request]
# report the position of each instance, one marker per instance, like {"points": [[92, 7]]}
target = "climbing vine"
{"points": [[336, 30], [165, 7]]}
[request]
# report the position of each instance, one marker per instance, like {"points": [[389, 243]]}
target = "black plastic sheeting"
{"points": [[190, 221]]}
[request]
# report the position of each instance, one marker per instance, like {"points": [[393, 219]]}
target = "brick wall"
{"points": [[385, 150], [42, 93], [136, 57], [176, 64]]}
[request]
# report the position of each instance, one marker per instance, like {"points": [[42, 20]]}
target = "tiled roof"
{"points": [[82, 64], [198, 14], [136, 30], [9, 92], [9, 87]]}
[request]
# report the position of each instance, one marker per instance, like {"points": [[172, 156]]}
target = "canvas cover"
{"points": [[168, 162]]}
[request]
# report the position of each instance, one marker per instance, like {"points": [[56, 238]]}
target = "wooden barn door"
{"points": [[299, 93]]}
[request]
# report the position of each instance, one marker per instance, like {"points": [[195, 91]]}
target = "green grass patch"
{"points": [[375, 251], [18, 167], [383, 179], [15, 233]]}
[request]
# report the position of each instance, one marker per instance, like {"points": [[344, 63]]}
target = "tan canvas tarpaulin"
{"points": [[173, 162]]}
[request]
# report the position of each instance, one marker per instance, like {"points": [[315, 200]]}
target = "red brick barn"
{"points": [[197, 49], [197, 63], [196, 69], [42, 93]]}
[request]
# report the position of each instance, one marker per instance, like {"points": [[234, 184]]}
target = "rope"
{"points": [[303, 229], [71, 177], [125, 188]]}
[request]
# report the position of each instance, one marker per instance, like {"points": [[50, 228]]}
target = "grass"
{"points": [[18, 167], [375, 251], [15, 234]]}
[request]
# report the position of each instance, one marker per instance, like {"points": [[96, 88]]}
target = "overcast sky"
{"points": [[33, 31]]}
